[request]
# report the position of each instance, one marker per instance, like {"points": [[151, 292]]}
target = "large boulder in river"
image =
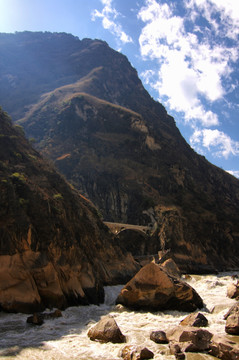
{"points": [[106, 330], [152, 288]]}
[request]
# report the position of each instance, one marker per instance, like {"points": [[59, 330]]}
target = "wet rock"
{"points": [[133, 352], [232, 320], [38, 318], [53, 315], [232, 311], [176, 351], [195, 319], [106, 330], [189, 339], [233, 290], [232, 324], [223, 348], [35, 319], [152, 288], [159, 337], [171, 268]]}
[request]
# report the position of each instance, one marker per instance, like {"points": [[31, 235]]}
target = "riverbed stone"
{"points": [[153, 289], [195, 319], [159, 337], [223, 348], [189, 338], [106, 330], [233, 290], [133, 352]]}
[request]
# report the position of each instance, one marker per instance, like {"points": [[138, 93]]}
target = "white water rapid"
{"points": [[66, 337]]}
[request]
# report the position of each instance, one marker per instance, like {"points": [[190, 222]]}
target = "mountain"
{"points": [[88, 112], [54, 249]]}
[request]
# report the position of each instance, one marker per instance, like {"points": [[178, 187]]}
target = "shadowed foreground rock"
{"points": [[106, 330], [154, 289]]}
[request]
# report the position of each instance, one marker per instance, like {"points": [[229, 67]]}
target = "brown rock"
{"points": [[175, 350], [159, 337], [154, 289], [189, 339], [195, 319], [35, 319], [233, 310], [106, 330], [171, 268], [132, 352], [223, 348], [233, 290], [232, 324]]}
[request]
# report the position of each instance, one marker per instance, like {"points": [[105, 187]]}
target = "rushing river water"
{"points": [[66, 337]]}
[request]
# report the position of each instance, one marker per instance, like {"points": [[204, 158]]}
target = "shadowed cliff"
{"points": [[54, 249]]}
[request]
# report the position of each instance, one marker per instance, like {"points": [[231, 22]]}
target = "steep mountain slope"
{"points": [[54, 249], [95, 120]]}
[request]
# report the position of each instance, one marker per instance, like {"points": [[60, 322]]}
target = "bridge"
{"points": [[116, 228]]}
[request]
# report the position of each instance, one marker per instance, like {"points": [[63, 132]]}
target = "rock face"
{"points": [[91, 115], [106, 330], [54, 249], [153, 289]]}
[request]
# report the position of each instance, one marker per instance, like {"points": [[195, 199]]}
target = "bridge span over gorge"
{"points": [[116, 228]]}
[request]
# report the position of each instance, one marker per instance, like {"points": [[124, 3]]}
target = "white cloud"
{"points": [[109, 15], [220, 144], [228, 10], [192, 67], [234, 173]]}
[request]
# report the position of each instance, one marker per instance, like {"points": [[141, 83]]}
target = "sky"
{"points": [[185, 52]]}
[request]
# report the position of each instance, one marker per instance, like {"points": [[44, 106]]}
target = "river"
{"points": [[66, 337]]}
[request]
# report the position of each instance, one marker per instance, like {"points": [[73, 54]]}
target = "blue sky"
{"points": [[186, 54]]}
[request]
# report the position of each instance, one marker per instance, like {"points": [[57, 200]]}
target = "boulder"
{"points": [[232, 324], [152, 288], [175, 350], [232, 311], [35, 319], [159, 337], [133, 352], [189, 338], [233, 290], [223, 348], [106, 330], [195, 319], [38, 318], [171, 268]]}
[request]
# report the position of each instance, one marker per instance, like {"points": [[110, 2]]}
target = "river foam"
{"points": [[66, 337]]}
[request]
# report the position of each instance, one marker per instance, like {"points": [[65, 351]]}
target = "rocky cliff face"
{"points": [[91, 115], [54, 249]]}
